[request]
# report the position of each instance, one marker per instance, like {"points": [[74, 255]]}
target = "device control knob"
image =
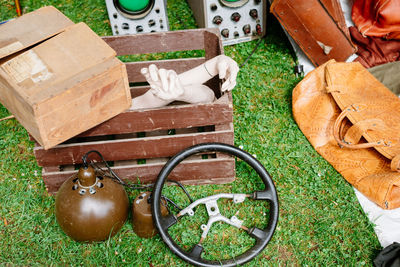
{"points": [[254, 13], [217, 20], [258, 29], [257, 1], [236, 34], [246, 29], [139, 28], [152, 22], [225, 33], [125, 26], [213, 7], [235, 16]]}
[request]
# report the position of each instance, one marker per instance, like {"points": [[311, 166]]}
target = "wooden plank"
{"points": [[212, 45], [51, 169], [178, 65], [208, 171], [170, 117], [183, 40], [126, 149], [223, 127]]}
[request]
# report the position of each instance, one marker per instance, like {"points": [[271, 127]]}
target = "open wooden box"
{"points": [[59, 79], [138, 143]]}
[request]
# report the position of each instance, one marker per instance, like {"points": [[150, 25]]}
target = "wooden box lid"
{"points": [[37, 72], [30, 29]]}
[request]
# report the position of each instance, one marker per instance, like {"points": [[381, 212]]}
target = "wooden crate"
{"points": [[138, 143]]}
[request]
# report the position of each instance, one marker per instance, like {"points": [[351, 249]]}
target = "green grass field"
{"points": [[321, 222]]}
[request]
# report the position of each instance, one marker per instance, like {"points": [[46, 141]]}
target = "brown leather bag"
{"points": [[339, 105], [379, 18]]}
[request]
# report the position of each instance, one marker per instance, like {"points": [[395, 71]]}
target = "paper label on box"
{"points": [[10, 48], [27, 66]]}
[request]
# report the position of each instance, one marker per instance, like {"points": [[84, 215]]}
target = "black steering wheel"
{"points": [[261, 236]]}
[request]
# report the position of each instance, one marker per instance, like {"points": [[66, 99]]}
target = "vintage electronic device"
{"points": [[238, 20], [141, 16]]}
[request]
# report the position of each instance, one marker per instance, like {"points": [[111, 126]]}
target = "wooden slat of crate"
{"points": [[126, 149], [194, 39], [180, 116], [188, 172]]}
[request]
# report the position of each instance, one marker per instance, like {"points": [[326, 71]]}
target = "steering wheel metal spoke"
{"points": [[237, 198]]}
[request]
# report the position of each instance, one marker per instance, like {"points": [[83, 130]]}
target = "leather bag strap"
{"points": [[338, 126], [356, 132]]}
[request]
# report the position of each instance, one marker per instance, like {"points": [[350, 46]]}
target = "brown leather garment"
{"points": [[379, 18], [316, 112], [373, 51]]}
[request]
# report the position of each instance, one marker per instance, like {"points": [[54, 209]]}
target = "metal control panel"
{"points": [[238, 20], [150, 17]]}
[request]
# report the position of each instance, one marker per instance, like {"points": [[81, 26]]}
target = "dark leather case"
{"points": [[318, 27]]}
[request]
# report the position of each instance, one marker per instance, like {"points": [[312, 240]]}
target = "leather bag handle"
{"points": [[338, 125]]}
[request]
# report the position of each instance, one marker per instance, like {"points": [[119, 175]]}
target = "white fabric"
{"points": [[387, 222]]}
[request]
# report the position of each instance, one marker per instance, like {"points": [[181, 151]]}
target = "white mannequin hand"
{"points": [[227, 69], [164, 84]]}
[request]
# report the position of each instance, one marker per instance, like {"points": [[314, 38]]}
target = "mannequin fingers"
{"points": [[153, 70], [154, 89], [179, 90], [145, 73], [172, 85], [164, 79], [234, 70], [222, 68], [225, 86], [228, 85], [233, 74], [231, 86], [230, 82], [159, 93]]}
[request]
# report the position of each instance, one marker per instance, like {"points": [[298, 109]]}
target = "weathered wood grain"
{"points": [[209, 171]]}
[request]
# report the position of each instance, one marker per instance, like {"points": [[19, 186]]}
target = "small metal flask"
{"points": [[90, 207], [142, 219]]}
